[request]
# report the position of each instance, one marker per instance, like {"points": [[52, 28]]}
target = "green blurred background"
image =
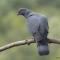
{"points": [[14, 28]]}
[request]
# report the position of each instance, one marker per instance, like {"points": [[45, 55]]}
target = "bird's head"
{"points": [[23, 11]]}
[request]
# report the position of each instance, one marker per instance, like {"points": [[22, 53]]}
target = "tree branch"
{"points": [[24, 42]]}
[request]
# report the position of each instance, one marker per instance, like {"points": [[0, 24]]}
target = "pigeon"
{"points": [[38, 27]]}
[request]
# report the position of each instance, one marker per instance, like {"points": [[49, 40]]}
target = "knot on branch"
{"points": [[27, 42]]}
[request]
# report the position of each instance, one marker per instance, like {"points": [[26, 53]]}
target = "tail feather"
{"points": [[43, 48]]}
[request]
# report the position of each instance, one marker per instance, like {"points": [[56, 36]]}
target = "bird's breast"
{"points": [[33, 24]]}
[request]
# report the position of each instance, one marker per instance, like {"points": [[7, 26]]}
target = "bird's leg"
{"points": [[34, 39]]}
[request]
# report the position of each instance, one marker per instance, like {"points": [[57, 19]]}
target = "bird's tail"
{"points": [[43, 47]]}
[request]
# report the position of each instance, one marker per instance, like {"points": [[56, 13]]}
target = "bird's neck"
{"points": [[27, 14]]}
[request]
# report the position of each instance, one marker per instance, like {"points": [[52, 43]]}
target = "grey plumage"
{"points": [[38, 26]]}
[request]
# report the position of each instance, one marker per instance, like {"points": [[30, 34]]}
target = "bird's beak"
{"points": [[18, 14]]}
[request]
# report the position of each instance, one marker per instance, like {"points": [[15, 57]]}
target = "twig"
{"points": [[24, 42]]}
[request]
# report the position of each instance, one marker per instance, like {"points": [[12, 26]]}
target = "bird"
{"points": [[38, 27]]}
